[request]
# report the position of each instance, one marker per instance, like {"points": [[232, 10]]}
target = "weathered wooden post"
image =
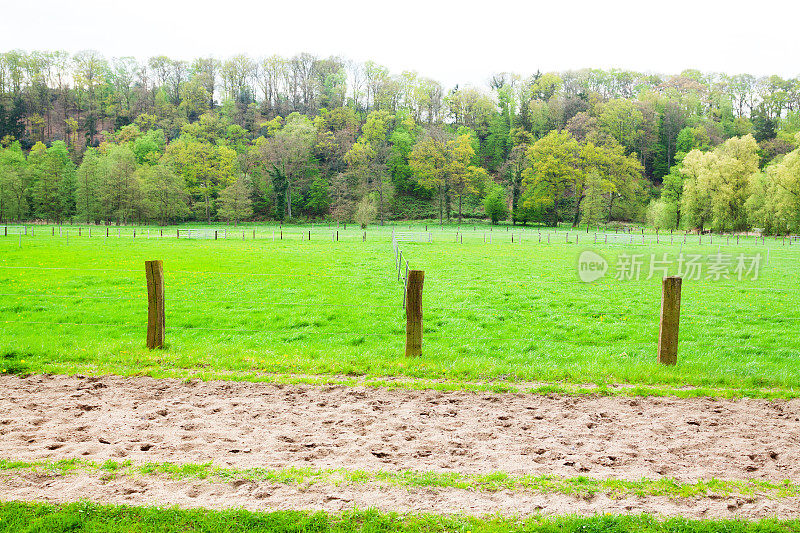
{"points": [[156, 323], [670, 319], [415, 280]]}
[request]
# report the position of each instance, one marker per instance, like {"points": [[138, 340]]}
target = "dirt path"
{"points": [[263, 496], [246, 425]]}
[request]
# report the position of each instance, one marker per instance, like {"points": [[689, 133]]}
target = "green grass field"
{"points": [[41, 518], [498, 312]]}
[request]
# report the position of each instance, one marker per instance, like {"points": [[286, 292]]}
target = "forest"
{"points": [[117, 140]]}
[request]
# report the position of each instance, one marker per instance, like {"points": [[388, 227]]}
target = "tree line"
{"points": [[118, 140]]}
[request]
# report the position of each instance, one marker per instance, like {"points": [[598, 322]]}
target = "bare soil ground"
{"points": [[247, 425]]}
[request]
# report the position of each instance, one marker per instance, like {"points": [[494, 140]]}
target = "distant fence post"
{"points": [[414, 284], [155, 304], [670, 319]]}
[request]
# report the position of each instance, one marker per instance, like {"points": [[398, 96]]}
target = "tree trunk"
{"points": [[380, 202], [555, 211], [441, 206], [514, 200], [610, 208], [577, 217]]}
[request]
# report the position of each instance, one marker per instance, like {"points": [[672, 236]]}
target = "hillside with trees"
{"points": [[117, 140]]}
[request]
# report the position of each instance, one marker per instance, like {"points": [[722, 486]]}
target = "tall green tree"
{"points": [[235, 202], [88, 194], [553, 162], [165, 193], [13, 183]]}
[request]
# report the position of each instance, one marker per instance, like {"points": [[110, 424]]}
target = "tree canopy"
{"points": [[116, 140]]}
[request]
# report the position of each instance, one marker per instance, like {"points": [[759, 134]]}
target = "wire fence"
{"points": [[402, 267], [461, 235]]}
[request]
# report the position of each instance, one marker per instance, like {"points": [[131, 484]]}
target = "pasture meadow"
{"points": [[496, 312]]}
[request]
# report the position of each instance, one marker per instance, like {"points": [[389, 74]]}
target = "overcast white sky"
{"points": [[452, 41]]}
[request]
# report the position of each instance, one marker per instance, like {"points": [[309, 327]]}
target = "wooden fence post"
{"points": [[415, 280], [155, 304], [670, 319]]}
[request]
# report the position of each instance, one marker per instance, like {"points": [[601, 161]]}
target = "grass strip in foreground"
{"points": [[577, 486], [83, 516], [409, 383]]}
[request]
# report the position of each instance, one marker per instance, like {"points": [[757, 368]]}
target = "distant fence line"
{"points": [[510, 236]]}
